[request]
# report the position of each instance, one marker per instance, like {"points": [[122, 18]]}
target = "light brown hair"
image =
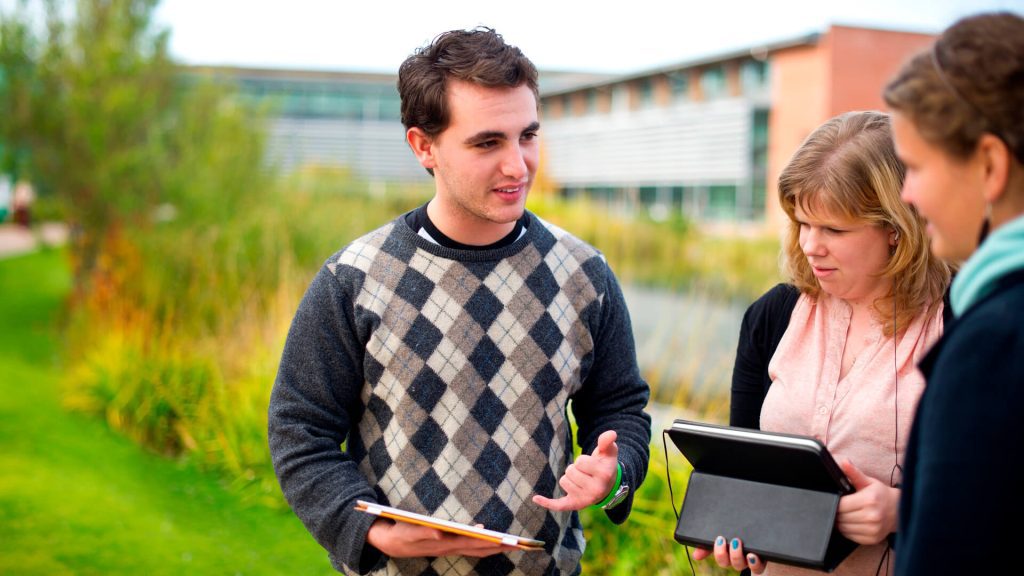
{"points": [[969, 83], [848, 168]]}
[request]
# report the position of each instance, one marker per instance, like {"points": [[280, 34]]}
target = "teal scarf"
{"points": [[1001, 253]]}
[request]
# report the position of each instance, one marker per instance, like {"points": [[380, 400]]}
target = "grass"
{"points": [[76, 498]]}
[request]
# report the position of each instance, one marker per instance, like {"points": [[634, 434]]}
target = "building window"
{"points": [[645, 92], [679, 84], [712, 82], [721, 202], [591, 101], [758, 165], [753, 76]]}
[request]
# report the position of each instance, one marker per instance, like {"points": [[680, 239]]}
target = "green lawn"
{"points": [[76, 498]]}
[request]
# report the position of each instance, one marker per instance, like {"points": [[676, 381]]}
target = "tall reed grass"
{"points": [[177, 343]]}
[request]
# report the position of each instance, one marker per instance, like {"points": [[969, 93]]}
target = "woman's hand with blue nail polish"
{"points": [[700, 553], [755, 563], [729, 554]]}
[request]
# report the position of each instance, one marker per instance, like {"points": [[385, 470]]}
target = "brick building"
{"points": [[709, 137]]}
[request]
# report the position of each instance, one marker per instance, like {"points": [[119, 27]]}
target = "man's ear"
{"points": [[996, 159], [422, 146]]}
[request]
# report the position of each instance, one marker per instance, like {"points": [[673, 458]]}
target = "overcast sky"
{"points": [[601, 36]]}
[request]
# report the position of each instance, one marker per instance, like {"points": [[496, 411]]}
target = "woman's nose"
{"points": [[811, 242]]}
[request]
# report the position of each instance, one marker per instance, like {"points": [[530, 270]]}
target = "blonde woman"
{"points": [[833, 353]]}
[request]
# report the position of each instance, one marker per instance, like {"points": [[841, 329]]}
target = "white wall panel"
{"points": [[371, 149], [683, 143]]}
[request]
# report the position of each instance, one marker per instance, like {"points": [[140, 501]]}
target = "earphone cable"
{"points": [[671, 495]]}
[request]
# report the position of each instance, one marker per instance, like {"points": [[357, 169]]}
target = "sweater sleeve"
{"points": [[764, 323], [614, 395], [314, 402]]}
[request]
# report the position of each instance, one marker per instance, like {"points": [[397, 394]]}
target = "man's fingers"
{"points": [[573, 484], [563, 504], [606, 446]]}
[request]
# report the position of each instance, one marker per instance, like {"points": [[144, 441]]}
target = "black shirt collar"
{"points": [[419, 220]]}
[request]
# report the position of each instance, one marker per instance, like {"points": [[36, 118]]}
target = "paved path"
{"points": [[16, 239]]}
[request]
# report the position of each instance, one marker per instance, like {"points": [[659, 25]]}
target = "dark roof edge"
{"points": [[758, 50]]}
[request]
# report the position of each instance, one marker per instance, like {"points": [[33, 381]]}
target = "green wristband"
{"points": [[618, 482]]}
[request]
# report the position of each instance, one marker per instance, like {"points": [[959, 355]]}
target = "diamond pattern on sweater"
{"points": [[428, 266], [431, 491], [493, 464], [488, 411], [504, 282], [422, 337], [465, 333], [429, 440], [546, 335], [484, 307], [497, 565], [426, 389], [441, 309], [414, 288], [542, 285], [486, 359], [505, 332], [360, 254], [547, 386], [447, 360], [469, 365], [392, 482], [560, 264], [379, 458]]}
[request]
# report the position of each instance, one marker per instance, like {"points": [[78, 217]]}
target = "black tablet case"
{"points": [[780, 500]]}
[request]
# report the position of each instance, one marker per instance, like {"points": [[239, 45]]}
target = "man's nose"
{"points": [[513, 164]]}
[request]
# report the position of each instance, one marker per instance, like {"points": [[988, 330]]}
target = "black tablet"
{"points": [[777, 492], [771, 457]]}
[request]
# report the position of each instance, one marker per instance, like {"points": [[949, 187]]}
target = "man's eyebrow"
{"points": [[486, 135], [497, 134]]}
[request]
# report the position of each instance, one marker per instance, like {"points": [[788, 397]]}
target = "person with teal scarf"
{"points": [[958, 127]]}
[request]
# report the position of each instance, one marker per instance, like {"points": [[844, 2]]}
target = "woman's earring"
{"points": [[985, 224]]}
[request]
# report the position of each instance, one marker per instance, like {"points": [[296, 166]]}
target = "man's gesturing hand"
{"points": [[589, 479]]}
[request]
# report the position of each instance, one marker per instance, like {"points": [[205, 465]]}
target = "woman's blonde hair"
{"points": [[848, 168]]}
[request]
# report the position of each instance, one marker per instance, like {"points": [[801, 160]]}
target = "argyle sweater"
{"points": [[447, 375]]}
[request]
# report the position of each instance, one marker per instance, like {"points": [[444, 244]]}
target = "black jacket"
{"points": [[963, 494]]}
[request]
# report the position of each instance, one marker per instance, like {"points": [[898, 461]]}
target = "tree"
{"points": [[99, 115]]}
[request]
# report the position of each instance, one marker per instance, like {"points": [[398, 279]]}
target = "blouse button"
{"points": [[822, 410]]}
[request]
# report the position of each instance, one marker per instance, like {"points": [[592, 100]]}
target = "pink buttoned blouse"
{"points": [[865, 416]]}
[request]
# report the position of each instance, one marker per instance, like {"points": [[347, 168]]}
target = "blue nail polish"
{"points": [[751, 559], [735, 543], [720, 541]]}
